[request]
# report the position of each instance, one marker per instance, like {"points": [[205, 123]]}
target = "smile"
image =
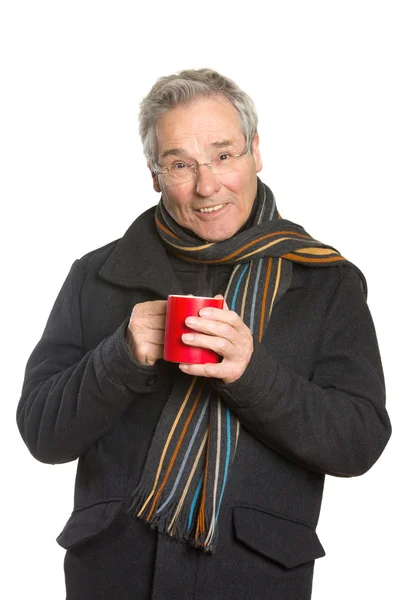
{"points": [[211, 208]]}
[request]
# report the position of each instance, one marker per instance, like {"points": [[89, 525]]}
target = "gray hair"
{"points": [[181, 88]]}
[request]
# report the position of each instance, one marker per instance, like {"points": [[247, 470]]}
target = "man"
{"points": [[204, 481]]}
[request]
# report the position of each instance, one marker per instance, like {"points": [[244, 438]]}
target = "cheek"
{"points": [[176, 204], [245, 190], [236, 183], [240, 184]]}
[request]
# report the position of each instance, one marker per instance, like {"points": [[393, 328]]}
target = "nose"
{"points": [[206, 182]]}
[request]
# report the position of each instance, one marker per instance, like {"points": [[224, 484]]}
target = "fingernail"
{"points": [[204, 312], [187, 337]]}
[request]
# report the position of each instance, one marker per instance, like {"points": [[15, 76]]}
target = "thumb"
{"points": [[225, 304]]}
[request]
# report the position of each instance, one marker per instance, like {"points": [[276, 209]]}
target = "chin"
{"points": [[224, 233], [216, 237]]}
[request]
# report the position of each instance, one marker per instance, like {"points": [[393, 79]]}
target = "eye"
{"points": [[224, 156], [177, 166]]}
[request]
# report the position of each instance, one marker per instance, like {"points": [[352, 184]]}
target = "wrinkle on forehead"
{"points": [[198, 127]]}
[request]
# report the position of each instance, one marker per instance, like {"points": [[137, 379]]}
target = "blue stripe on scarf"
{"points": [[238, 286], [196, 495], [199, 420]]}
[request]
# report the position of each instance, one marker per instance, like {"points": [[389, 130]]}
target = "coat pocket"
{"points": [[87, 522], [284, 541]]}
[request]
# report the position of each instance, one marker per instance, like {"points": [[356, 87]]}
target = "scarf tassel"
{"points": [[172, 525]]}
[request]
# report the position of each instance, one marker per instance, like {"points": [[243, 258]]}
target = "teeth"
{"points": [[211, 209]]}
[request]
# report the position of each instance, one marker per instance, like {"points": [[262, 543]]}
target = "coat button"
{"points": [[152, 380]]}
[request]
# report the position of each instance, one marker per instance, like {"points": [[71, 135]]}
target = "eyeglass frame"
{"points": [[167, 170]]}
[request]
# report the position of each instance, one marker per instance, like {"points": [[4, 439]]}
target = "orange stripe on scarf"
{"points": [[175, 454]]}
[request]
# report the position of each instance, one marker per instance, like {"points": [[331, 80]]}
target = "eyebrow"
{"points": [[223, 144], [178, 151], [173, 152]]}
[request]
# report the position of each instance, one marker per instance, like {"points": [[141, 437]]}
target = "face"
{"points": [[200, 132]]}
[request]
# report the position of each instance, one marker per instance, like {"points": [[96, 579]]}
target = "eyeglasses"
{"points": [[182, 171]]}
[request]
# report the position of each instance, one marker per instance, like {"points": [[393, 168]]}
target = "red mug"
{"points": [[178, 309]]}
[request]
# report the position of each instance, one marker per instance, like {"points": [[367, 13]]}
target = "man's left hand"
{"points": [[223, 331]]}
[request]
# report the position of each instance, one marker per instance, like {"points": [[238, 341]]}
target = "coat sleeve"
{"points": [[336, 422], [71, 398]]}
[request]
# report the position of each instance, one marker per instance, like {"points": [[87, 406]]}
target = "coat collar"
{"points": [[140, 260]]}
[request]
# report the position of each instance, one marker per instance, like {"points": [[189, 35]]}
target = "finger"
{"points": [[226, 307], [156, 337], [206, 370], [220, 345], [149, 353], [211, 327], [223, 315], [154, 322], [148, 336], [156, 307], [140, 326]]}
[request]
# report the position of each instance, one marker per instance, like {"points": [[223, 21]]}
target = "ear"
{"points": [[156, 183], [256, 152]]}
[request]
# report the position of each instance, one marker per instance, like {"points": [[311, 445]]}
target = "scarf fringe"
{"points": [[179, 529]]}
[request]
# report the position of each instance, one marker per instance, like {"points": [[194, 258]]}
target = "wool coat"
{"points": [[311, 402]]}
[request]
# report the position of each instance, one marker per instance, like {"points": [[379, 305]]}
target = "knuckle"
{"points": [[234, 317], [223, 344], [140, 355], [143, 349], [139, 307], [208, 370], [150, 360], [236, 373], [147, 354], [226, 331]]}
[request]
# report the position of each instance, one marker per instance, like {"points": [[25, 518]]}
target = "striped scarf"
{"points": [[193, 448]]}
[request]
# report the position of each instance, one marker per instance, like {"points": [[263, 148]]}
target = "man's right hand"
{"points": [[145, 332]]}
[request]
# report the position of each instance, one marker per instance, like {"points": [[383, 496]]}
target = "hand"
{"points": [[223, 331], [145, 332]]}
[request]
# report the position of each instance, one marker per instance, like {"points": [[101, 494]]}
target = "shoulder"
{"points": [[328, 281], [96, 258], [143, 225]]}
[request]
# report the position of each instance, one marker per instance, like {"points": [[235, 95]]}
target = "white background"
{"points": [[324, 77]]}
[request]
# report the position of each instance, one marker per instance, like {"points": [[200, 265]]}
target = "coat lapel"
{"points": [[140, 260]]}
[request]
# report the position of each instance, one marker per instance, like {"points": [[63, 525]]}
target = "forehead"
{"points": [[199, 124]]}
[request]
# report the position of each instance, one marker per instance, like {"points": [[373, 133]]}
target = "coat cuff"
{"points": [[255, 383], [123, 369]]}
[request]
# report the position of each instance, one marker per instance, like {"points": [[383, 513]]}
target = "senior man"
{"points": [[204, 481]]}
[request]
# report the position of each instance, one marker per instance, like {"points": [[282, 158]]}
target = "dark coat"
{"points": [[310, 402]]}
